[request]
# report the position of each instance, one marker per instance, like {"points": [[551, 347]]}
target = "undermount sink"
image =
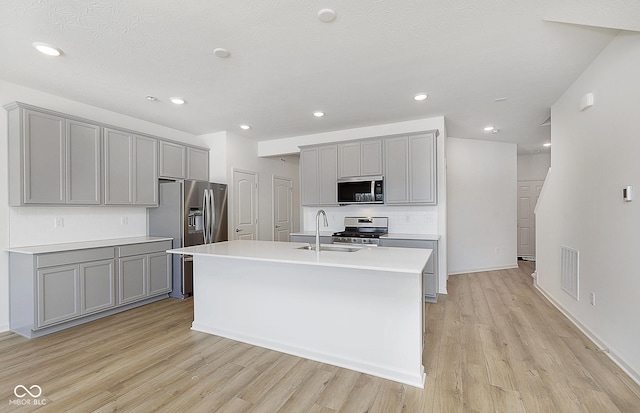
{"points": [[330, 247]]}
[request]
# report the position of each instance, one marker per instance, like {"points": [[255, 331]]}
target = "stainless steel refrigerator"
{"points": [[192, 213]]}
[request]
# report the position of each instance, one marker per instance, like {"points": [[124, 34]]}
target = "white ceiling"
{"points": [[361, 69]]}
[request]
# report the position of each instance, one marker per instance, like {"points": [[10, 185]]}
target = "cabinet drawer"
{"points": [[74, 257], [144, 248]]}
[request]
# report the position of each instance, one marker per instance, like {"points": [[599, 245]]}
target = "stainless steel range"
{"points": [[362, 230]]}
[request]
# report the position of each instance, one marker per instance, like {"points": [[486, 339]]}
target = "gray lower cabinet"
{"points": [[430, 274], [318, 175], [52, 160], [410, 169], [311, 239], [52, 291], [130, 169]]}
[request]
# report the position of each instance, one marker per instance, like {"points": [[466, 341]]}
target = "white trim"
{"points": [[619, 361], [473, 270]]}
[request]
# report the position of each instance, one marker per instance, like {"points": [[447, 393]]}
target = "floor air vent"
{"points": [[569, 273]]}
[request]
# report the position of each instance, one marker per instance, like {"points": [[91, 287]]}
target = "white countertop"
{"points": [[70, 246], [401, 260], [421, 237], [313, 233]]}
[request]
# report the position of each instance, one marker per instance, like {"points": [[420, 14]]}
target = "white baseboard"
{"points": [[472, 270], [634, 375]]}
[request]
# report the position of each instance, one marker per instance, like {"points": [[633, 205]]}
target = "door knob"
{"points": [[277, 226], [238, 230]]}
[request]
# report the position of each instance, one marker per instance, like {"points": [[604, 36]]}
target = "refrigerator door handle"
{"points": [[213, 215], [205, 220]]}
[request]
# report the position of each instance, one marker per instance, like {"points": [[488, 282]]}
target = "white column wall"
{"points": [[482, 205], [595, 154]]}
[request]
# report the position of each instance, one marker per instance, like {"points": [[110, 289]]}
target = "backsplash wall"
{"points": [[37, 225], [402, 219]]}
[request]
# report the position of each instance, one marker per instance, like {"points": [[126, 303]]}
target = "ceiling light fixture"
{"points": [[501, 99], [177, 101], [245, 127], [318, 114], [47, 49], [327, 15], [489, 128], [151, 98], [420, 97], [221, 53], [547, 144]]}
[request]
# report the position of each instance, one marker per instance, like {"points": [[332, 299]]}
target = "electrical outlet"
{"points": [[124, 220], [592, 298], [58, 223], [497, 250], [407, 218]]}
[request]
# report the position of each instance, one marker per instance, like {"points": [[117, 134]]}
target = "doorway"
{"points": [[528, 194], [245, 205], [282, 208]]}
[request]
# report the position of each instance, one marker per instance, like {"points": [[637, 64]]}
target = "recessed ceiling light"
{"points": [[420, 96], [318, 114], [151, 98], [501, 99], [547, 144], [177, 101], [221, 53], [489, 128], [245, 127], [327, 15], [47, 49]]}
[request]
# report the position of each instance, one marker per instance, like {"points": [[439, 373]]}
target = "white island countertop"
{"points": [[400, 260]]}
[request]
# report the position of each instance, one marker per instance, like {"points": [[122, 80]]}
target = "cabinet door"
{"points": [[132, 279], [197, 164], [118, 167], [396, 158], [83, 163], [349, 159], [97, 283], [58, 294], [371, 157], [422, 169], [45, 163], [309, 176], [328, 174], [145, 188], [159, 273], [430, 282], [172, 160]]}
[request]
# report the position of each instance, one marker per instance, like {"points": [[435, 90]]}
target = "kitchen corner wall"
{"points": [[20, 226], [229, 152]]}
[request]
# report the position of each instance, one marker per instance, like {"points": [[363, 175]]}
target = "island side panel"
{"points": [[368, 321]]}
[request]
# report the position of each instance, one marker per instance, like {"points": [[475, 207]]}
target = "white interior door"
{"points": [[528, 194], [282, 208], [245, 205]]}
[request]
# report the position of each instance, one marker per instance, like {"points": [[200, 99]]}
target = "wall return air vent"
{"points": [[569, 275]]}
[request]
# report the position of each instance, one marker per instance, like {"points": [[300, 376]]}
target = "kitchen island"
{"points": [[360, 308]]}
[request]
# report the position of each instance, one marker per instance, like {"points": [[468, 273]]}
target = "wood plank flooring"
{"points": [[493, 344]]}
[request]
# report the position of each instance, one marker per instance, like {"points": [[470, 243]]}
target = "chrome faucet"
{"points": [[326, 224]]}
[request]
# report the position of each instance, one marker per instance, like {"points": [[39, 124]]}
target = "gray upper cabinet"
{"points": [[318, 175], [410, 169], [83, 173], [197, 164], [173, 160], [118, 167], [360, 158], [145, 178], [130, 169], [52, 160]]}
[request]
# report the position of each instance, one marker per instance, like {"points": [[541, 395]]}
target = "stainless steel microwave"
{"points": [[361, 190]]}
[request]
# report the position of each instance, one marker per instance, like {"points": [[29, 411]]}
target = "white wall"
{"points": [[533, 167], [595, 154], [482, 202], [34, 225], [229, 152]]}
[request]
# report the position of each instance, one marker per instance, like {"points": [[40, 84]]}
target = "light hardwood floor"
{"points": [[493, 345]]}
